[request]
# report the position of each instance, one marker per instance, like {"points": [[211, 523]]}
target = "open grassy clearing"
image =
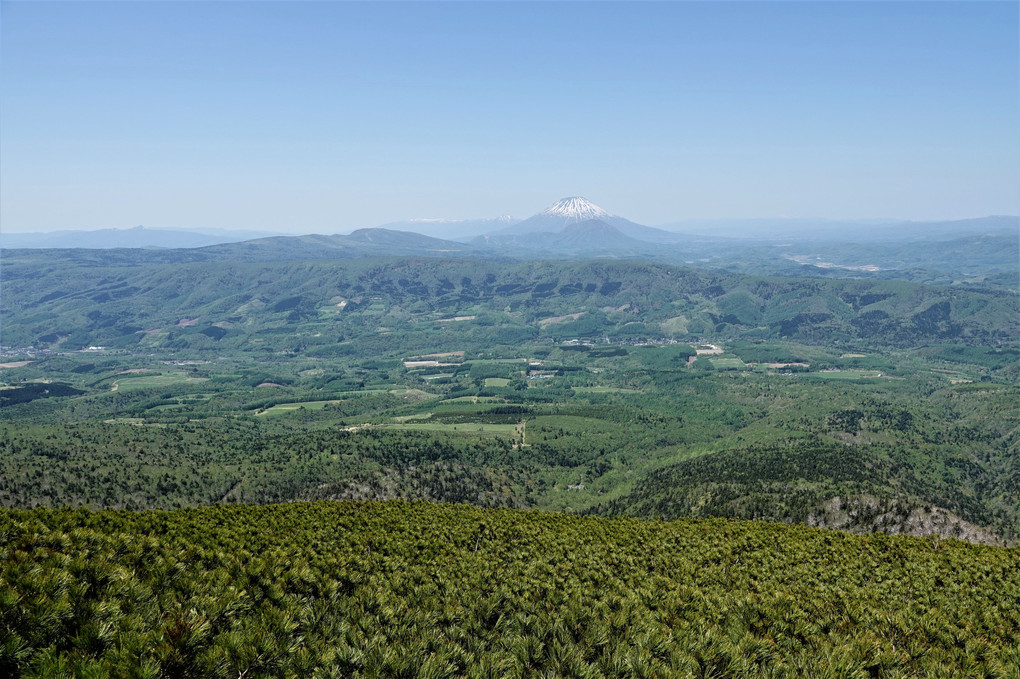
{"points": [[283, 408], [847, 374], [954, 376], [727, 363], [462, 407], [149, 381], [471, 428], [409, 418], [606, 390], [489, 361], [984, 386], [496, 381]]}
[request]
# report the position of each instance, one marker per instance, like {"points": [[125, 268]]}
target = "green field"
{"points": [[605, 390], [130, 383], [847, 374], [469, 428], [727, 363], [284, 408]]}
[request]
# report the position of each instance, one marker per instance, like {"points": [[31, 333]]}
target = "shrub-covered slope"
{"points": [[396, 589], [824, 485]]}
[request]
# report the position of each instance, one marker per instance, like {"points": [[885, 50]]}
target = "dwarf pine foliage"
{"points": [[397, 589]]}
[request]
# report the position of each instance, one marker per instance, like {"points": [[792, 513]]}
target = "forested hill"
{"points": [[314, 306]]}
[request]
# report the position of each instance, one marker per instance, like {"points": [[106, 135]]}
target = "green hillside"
{"points": [[420, 590], [311, 306]]}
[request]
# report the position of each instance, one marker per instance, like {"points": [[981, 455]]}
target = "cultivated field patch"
{"points": [[560, 319]]}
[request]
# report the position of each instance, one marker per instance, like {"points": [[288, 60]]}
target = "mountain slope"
{"points": [[593, 234], [593, 238], [452, 229], [390, 241], [856, 489], [400, 590]]}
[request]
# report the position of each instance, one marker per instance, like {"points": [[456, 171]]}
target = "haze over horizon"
{"points": [[328, 117]]}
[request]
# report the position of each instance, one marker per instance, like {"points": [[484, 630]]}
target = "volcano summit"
{"points": [[574, 210]]}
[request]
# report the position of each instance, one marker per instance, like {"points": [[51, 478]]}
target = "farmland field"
{"points": [[147, 381]]}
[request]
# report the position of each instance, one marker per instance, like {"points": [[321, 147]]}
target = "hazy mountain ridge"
{"points": [[136, 237], [452, 229], [978, 252], [848, 230]]}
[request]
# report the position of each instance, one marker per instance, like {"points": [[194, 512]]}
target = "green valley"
{"points": [[209, 425], [593, 387]]}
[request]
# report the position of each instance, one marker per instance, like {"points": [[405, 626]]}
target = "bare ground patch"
{"points": [[560, 319], [458, 354]]}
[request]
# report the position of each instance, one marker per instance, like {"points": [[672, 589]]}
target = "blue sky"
{"points": [[328, 116]]}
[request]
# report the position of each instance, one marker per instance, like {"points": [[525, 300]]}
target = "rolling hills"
{"points": [[57, 299]]}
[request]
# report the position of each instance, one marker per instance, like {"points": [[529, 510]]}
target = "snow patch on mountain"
{"points": [[576, 208]]}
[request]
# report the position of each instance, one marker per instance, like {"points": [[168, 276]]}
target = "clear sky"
{"points": [[328, 116]]}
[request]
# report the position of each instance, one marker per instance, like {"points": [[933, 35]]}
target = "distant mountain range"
{"points": [[847, 230], [982, 250], [508, 232], [137, 237]]}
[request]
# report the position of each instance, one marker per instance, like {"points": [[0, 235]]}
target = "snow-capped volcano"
{"points": [[575, 208]]}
